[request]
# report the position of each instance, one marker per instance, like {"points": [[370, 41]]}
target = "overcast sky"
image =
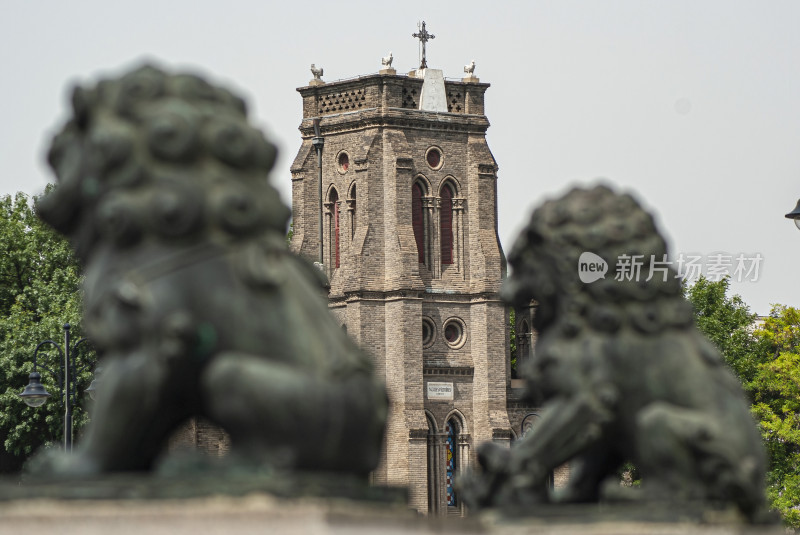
{"points": [[694, 106]]}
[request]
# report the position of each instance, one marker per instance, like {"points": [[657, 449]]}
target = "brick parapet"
{"points": [[386, 91]]}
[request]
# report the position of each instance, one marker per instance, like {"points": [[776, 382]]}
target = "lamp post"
{"points": [[318, 142], [35, 395], [795, 214]]}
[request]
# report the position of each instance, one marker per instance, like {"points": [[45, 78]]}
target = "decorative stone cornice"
{"points": [[450, 370], [400, 118], [379, 296]]}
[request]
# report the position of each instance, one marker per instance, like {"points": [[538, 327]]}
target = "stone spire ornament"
{"points": [[470, 73], [317, 72], [386, 62], [423, 37]]}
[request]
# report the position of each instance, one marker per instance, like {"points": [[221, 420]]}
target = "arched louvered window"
{"points": [[418, 220], [352, 211], [446, 224], [334, 200]]}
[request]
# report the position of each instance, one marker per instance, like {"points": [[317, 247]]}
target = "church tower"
{"points": [[411, 251]]}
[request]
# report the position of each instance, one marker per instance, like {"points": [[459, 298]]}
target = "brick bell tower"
{"points": [[411, 251]]}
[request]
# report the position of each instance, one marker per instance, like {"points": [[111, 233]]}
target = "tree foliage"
{"points": [[290, 234], [726, 321], [776, 396], [767, 361], [39, 292]]}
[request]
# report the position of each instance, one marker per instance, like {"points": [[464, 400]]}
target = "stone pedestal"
{"points": [[263, 514], [387, 70], [315, 81], [470, 79]]}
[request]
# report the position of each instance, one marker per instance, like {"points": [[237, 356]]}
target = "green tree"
{"points": [[39, 292], [767, 361], [776, 395], [726, 321]]}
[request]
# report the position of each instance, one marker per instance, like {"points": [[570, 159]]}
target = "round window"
{"points": [[454, 333], [344, 162], [428, 332], [434, 157]]}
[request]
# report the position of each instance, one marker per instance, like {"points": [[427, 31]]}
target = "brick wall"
{"points": [[201, 435], [381, 292]]}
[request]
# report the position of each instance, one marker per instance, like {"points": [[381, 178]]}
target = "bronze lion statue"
{"points": [[192, 298], [623, 372]]}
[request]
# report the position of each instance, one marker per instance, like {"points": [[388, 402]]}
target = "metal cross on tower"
{"points": [[423, 37]]}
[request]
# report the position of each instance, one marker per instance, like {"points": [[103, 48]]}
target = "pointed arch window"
{"points": [[334, 245], [432, 465], [418, 219], [446, 223], [451, 461], [352, 209]]}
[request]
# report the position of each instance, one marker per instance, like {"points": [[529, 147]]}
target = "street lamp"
{"points": [[795, 214], [96, 380], [35, 395]]}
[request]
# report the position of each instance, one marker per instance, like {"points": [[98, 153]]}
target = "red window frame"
{"points": [[335, 209], [446, 224], [418, 221]]}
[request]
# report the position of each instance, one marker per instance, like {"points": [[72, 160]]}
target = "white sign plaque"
{"points": [[440, 390]]}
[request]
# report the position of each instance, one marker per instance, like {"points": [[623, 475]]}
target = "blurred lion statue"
{"points": [[192, 298], [623, 372]]}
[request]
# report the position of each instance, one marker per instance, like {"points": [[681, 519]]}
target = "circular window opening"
{"points": [[428, 332], [434, 157], [454, 333], [344, 162]]}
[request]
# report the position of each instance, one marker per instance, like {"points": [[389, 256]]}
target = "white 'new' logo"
{"points": [[591, 267]]}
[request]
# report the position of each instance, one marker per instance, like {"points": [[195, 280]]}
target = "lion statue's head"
{"points": [[160, 157], [545, 263]]}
